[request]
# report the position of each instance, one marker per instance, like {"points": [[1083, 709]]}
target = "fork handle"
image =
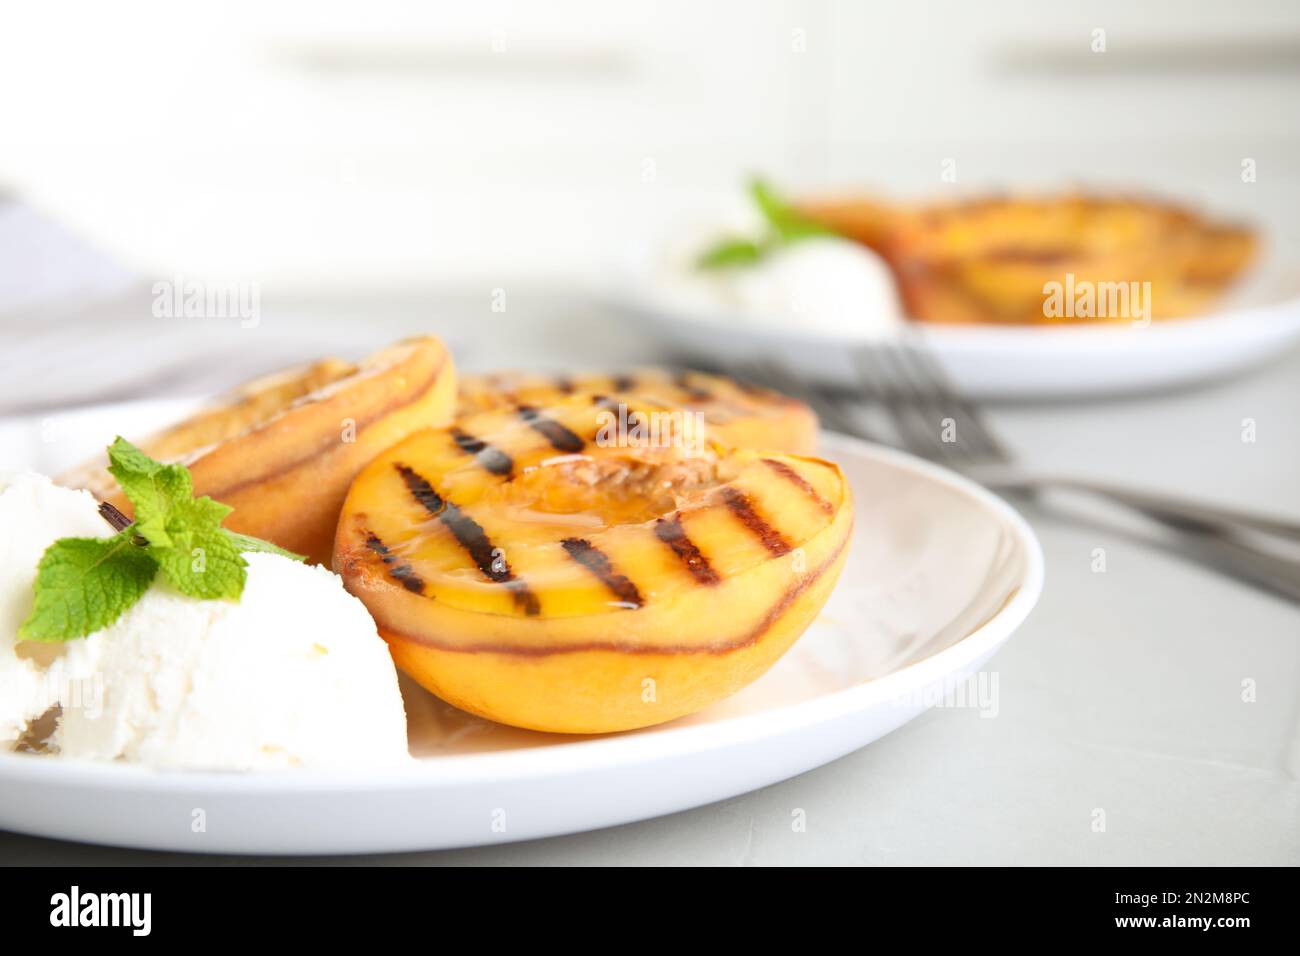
{"points": [[1205, 532], [1271, 572], [1181, 512]]}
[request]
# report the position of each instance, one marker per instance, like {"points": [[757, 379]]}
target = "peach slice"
{"points": [[534, 567], [738, 414], [283, 449]]}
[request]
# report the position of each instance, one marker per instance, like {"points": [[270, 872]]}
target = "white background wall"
{"points": [[398, 145]]}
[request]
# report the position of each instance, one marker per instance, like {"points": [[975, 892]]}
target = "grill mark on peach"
{"points": [[471, 536], [764, 394], [624, 383], [601, 436], [742, 641], [743, 508], [613, 407], [563, 385], [597, 562], [671, 533], [492, 459], [799, 481], [561, 438], [683, 381], [403, 574]]}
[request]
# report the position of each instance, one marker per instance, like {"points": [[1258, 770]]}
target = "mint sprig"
{"points": [[85, 584], [784, 225], [731, 252]]}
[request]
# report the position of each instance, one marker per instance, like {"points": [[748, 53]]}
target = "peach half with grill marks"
{"points": [[537, 567], [738, 414], [283, 449]]}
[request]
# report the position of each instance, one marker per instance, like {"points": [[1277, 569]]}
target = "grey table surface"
{"points": [[1154, 695]]}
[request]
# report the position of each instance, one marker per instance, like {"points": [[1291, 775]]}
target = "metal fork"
{"points": [[932, 420]]}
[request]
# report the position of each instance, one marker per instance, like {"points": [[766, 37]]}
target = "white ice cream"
{"points": [[292, 675], [821, 286], [33, 513]]}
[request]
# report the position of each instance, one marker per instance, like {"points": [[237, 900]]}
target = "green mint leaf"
{"points": [[125, 459], [785, 221], [153, 488], [247, 543], [784, 226], [202, 560], [730, 252], [85, 584]]}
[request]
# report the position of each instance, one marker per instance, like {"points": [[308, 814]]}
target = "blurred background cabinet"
{"points": [[358, 147]]}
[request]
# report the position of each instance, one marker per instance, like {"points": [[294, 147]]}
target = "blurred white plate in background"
{"points": [[1256, 321], [940, 573]]}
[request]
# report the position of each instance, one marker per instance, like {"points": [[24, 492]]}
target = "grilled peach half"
{"points": [[988, 260], [283, 450], [540, 568], [737, 414]]}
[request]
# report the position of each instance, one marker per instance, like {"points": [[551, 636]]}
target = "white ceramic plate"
{"points": [[940, 573], [1255, 322]]}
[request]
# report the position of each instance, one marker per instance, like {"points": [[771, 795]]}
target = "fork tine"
{"points": [[846, 409], [936, 405], [985, 444], [880, 381]]}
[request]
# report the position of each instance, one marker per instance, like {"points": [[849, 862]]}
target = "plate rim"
{"points": [[1281, 317], [605, 751]]}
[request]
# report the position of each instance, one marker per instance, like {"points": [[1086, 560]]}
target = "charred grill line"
{"points": [[799, 481], [492, 459], [524, 598], [671, 533], [561, 438], [748, 638], [563, 385], [743, 508], [624, 383], [597, 562], [403, 574], [614, 407], [471, 536], [601, 435], [422, 491], [683, 381]]}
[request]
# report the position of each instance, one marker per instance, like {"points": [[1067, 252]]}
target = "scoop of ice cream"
{"points": [[292, 674], [33, 513], [822, 286], [826, 286]]}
